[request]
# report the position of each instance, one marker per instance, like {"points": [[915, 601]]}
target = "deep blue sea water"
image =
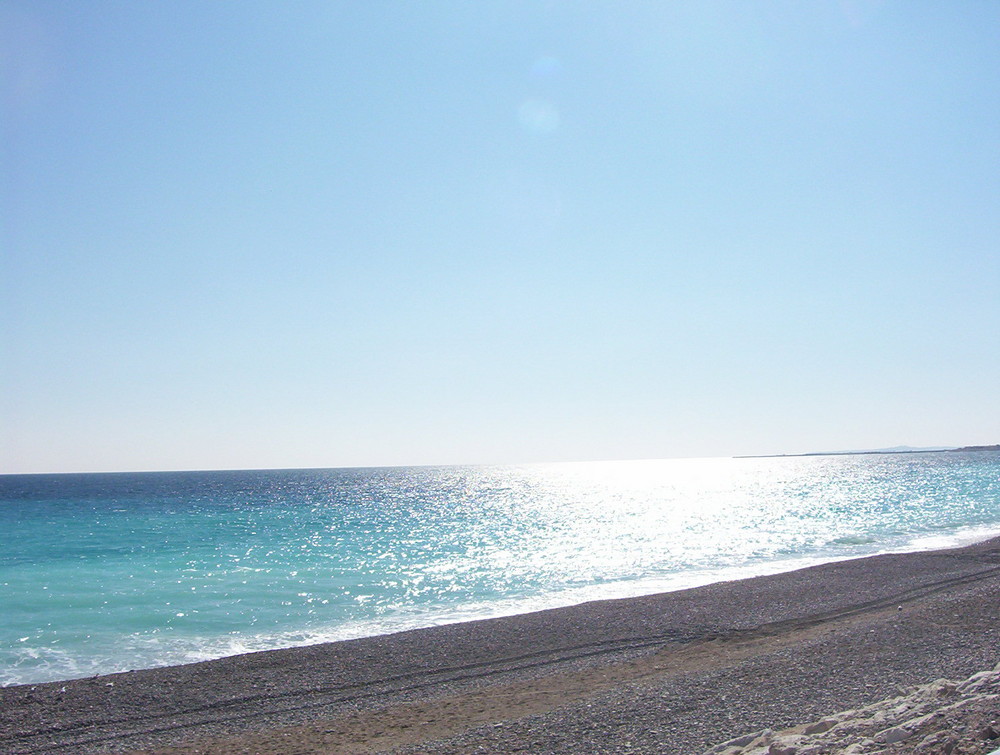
{"points": [[110, 572]]}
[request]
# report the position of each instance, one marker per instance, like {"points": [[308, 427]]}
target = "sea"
{"points": [[101, 573]]}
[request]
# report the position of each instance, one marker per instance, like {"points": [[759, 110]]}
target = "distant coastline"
{"points": [[875, 452]]}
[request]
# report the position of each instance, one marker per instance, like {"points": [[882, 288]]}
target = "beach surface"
{"points": [[677, 672]]}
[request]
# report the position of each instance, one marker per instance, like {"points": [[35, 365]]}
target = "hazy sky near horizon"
{"points": [[260, 234]]}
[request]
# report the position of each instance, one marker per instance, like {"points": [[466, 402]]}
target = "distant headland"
{"points": [[877, 451]]}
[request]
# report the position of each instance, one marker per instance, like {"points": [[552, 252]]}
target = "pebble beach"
{"points": [[679, 672]]}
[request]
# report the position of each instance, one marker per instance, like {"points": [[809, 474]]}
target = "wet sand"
{"points": [[671, 673]]}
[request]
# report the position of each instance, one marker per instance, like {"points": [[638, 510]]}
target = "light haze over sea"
{"points": [[109, 572]]}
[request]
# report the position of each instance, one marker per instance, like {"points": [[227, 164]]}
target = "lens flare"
{"points": [[538, 116]]}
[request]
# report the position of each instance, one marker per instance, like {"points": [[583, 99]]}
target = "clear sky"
{"points": [[265, 234]]}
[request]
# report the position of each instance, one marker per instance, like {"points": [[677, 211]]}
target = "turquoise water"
{"points": [[110, 572]]}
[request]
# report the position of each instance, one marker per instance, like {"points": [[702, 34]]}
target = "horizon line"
{"points": [[860, 452]]}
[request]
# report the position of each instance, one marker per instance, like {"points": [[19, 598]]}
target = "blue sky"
{"points": [[246, 234]]}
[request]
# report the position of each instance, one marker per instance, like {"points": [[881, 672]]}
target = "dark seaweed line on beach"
{"points": [[907, 596], [364, 691], [77, 735]]}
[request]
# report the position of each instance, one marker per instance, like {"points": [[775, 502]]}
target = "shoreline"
{"points": [[818, 639], [584, 595]]}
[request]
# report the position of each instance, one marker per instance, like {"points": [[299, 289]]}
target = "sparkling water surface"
{"points": [[110, 572]]}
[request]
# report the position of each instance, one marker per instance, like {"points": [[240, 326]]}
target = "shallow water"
{"points": [[109, 572]]}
